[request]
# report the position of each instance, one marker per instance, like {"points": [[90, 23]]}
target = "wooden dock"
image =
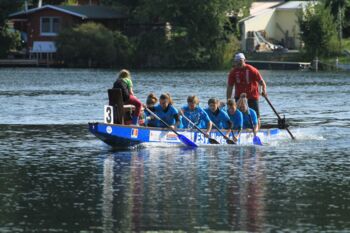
{"points": [[19, 62], [279, 65]]}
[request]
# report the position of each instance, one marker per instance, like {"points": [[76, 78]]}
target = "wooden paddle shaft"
{"points": [[251, 123], [268, 101]]}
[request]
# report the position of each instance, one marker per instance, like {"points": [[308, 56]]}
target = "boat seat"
{"points": [[122, 111], [129, 107]]}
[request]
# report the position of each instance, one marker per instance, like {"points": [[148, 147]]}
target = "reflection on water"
{"points": [[197, 190]]}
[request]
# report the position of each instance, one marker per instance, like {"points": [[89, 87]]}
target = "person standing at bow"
{"points": [[246, 79], [124, 82]]}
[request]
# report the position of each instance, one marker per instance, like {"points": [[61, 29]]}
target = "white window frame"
{"points": [[51, 18]]}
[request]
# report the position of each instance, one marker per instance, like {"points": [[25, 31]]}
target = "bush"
{"points": [[89, 45], [153, 50], [124, 50], [318, 31], [150, 50], [5, 44], [9, 41], [224, 52]]}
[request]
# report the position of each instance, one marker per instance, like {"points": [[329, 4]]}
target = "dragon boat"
{"points": [[121, 136], [117, 131]]}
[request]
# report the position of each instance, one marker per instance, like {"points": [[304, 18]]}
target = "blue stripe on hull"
{"points": [[130, 135]]}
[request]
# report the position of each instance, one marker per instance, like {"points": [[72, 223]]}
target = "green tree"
{"points": [[130, 4], [346, 23], [318, 31], [7, 7], [198, 28], [338, 9], [8, 39], [88, 44], [124, 50]]}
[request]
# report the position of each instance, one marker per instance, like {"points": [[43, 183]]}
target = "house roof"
{"points": [[84, 12], [293, 5], [258, 7]]}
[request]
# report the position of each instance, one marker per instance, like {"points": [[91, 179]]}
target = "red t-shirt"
{"points": [[246, 80]]}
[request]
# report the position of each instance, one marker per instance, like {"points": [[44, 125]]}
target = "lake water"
{"points": [[56, 176]]}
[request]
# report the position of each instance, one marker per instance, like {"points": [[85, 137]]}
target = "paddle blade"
{"points": [[213, 141], [186, 141], [257, 141], [229, 141]]}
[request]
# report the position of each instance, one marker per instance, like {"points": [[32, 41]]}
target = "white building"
{"points": [[272, 23]]}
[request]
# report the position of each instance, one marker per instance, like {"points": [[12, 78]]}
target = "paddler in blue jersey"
{"points": [[196, 114], [249, 114], [218, 116], [151, 101], [167, 112], [236, 117]]}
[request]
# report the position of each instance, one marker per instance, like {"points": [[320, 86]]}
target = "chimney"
{"points": [[40, 3]]}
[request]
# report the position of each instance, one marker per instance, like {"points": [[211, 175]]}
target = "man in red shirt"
{"points": [[246, 79]]}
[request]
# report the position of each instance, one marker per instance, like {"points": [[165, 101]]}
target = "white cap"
{"points": [[239, 56]]}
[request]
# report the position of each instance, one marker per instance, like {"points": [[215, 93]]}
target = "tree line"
{"points": [[196, 33]]}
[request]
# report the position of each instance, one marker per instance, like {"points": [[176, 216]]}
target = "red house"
{"points": [[41, 25]]}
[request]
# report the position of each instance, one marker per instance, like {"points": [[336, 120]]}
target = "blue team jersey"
{"points": [[168, 116], [152, 122], [197, 116], [236, 119], [221, 120], [246, 121]]}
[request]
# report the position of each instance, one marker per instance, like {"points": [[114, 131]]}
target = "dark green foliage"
{"points": [[201, 35], [346, 20], [5, 43], [124, 50], [8, 40], [7, 7], [318, 31], [346, 30], [94, 45], [130, 4], [338, 9], [89, 44], [198, 31], [151, 49]]}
